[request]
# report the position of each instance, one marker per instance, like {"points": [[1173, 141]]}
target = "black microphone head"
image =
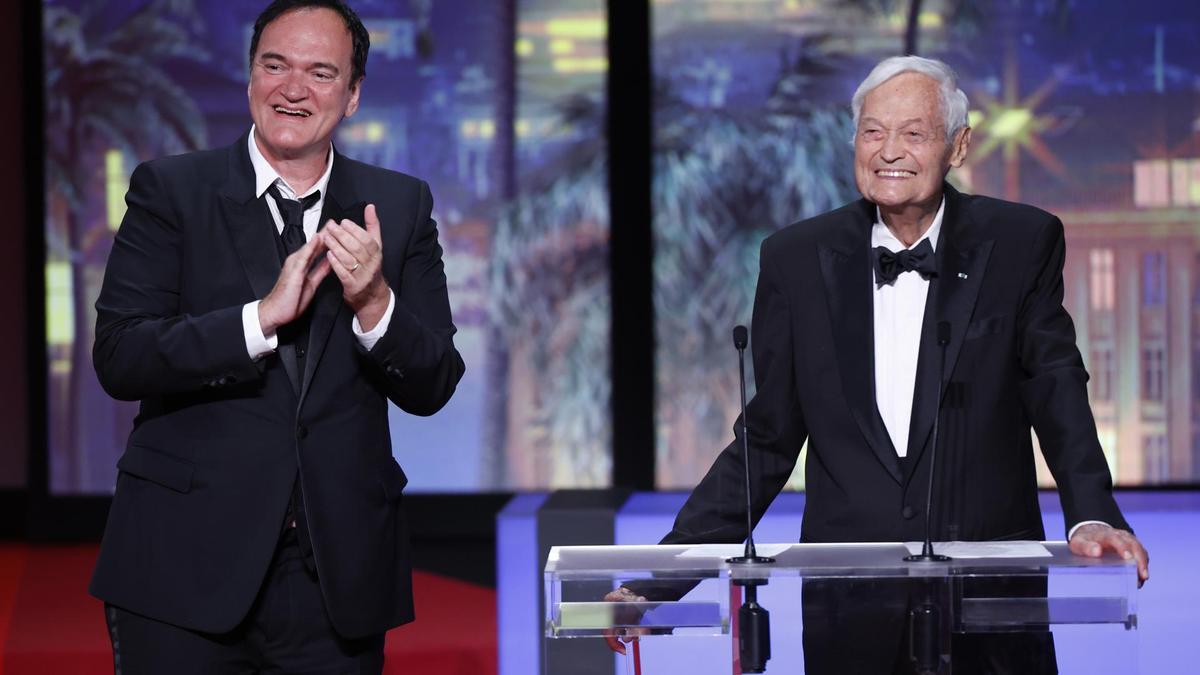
{"points": [[943, 333], [740, 336]]}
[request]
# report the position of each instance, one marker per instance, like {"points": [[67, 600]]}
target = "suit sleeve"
{"points": [[145, 345], [715, 512], [416, 355], [1054, 393]]}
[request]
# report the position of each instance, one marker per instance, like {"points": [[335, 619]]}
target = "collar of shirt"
{"points": [[882, 236], [265, 175]]}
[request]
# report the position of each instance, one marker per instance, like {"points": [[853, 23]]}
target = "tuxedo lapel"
{"points": [[962, 261], [249, 220], [846, 270], [327, 304]]}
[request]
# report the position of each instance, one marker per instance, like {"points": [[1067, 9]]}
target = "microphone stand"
{"points": [[754, 621], [927, 555], [750, 557]]}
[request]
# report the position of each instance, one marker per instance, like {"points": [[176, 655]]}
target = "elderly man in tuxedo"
{"points": [[846, 356], [264, 302]]}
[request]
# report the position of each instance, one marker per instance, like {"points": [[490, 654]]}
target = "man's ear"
{"points": [[355, 90], [958, 150]]}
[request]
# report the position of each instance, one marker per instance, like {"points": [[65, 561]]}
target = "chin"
{"points": [[888, 200], [284, 143]]}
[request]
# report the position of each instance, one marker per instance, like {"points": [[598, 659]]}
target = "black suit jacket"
{"points": [[206, 477], [1011, 364]]}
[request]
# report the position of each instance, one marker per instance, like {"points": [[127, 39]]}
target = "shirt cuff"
{"points": [[369, 338], [257, 344], [1071, 532]]}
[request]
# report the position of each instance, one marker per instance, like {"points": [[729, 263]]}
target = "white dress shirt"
{"points": [[899, 313], [265, 175]]}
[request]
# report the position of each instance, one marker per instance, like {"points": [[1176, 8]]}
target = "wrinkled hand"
{"points": [[617, 637], [1094, 539], [294, 288], [356, 256]]}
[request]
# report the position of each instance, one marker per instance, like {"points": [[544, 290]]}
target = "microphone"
{"points": [[750, 557], [927, 554], [740, 337]]}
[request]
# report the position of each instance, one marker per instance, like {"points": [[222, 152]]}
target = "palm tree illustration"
{"points": [[550, 302], [723, 180], [105, 88]]}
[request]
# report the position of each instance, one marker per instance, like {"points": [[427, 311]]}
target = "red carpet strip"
{"points": [[50, 625]]}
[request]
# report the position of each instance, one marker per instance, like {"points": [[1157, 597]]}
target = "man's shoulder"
{"points": [[372, 176], [999, 217], [193, 169]]}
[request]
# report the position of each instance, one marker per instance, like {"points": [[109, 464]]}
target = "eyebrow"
{"points": [[911, 120], [319, 64]]}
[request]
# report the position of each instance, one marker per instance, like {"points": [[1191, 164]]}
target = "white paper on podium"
{"points": [[984, 549], [732, 550]]}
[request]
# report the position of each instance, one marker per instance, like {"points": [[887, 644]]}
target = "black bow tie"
{"points": [[889, 265]]}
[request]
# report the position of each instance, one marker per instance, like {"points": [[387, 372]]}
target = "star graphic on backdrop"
{"points": [[1013, 124]]}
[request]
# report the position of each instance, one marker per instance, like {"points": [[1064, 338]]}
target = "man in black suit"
{"points": [[846, 356], [264, 302]]}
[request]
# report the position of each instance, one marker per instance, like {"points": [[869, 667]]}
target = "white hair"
{"points": [[952, 99]]}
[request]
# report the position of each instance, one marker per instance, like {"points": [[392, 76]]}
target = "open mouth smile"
{"points": [[294, 112], [895, 173]]}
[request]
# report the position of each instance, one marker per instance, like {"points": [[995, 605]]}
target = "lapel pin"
{"points": [[962, 275]]}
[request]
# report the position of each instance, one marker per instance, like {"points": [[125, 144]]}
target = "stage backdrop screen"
{"points": [[498, 105], [1090, 110]]}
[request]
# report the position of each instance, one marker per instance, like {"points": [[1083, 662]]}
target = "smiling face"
{"points": [[901, 155], [300, 86]]}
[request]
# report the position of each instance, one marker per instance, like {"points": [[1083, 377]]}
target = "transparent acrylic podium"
{"points": [[1088, 604]]}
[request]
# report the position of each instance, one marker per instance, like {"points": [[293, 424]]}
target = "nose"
{"points": [[892, 149], [294, 86]]}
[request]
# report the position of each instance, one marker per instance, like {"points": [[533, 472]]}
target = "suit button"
{"points": [[299, 352], [301, 432], [908, 512]]}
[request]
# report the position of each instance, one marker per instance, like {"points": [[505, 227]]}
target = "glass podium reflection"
{"points": [[841, 608]]}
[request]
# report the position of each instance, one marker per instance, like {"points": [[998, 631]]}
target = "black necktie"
{"points": [[292, 213], [889, 265], [296, 333]]}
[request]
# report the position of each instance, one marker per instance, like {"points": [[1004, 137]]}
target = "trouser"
{"points": [[287, 631]]}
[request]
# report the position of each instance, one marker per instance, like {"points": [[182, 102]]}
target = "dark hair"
{"points": [[358, 32]]}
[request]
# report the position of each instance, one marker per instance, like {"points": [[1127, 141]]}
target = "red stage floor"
{"points": [[50, 625]]}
